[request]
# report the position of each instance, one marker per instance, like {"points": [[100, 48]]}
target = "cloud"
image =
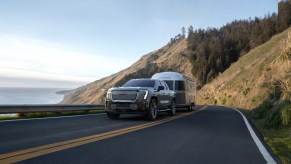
{"points": [[36, 59]]}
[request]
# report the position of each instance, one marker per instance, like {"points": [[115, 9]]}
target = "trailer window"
{"points": [[170, 84], [180, 85]]}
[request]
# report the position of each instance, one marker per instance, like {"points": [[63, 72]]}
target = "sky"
{"points": [[69, 43]]}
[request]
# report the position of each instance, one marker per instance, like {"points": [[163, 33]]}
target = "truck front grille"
{"points": [[124, 95]]}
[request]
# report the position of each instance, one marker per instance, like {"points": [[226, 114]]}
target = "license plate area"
{"points": [[123, 105]]}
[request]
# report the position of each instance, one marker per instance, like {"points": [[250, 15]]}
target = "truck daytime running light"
{"points": [[145, 95], [109, 95]]}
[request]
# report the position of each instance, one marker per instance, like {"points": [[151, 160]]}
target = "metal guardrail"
{"points": [[4, 109]]}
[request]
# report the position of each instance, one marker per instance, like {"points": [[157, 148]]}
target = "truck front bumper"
{"points": [[127, 107]]}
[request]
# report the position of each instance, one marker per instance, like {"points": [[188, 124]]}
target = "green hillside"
{"points": [[259, 83]]}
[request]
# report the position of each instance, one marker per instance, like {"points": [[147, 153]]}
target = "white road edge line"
{"points": [[258, 142], [46, 118]]}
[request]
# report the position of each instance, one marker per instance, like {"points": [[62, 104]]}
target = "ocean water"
{"points": [[30, 95]]}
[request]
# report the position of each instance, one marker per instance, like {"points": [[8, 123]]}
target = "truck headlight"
{"points": [[109, 95], [144, 94]]}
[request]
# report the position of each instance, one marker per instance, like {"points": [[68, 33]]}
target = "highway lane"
{"points": [[17, 135], [214, 135], [23, 134]]}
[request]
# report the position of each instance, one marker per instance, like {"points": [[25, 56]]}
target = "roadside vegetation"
{"points": [[274, 122], [49, 114]]}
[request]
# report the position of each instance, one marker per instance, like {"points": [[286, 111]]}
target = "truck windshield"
{"points": [[170, 84], [140, 83]]}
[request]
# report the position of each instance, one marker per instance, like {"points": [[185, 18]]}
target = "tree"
{"points": [[183, 32], [284, 15]]}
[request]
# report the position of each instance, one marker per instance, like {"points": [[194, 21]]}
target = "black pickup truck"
{"points": [[141, 96]]}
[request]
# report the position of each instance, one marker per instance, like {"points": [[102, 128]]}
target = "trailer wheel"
{"points": [[191, 107]]}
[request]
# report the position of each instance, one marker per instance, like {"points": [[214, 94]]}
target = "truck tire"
{"points": [[113, 115], [153, 110], [172, 112]]}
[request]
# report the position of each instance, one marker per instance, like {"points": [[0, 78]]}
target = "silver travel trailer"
{"points": [[184, 87]]}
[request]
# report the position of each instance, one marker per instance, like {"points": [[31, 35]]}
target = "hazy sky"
{"points": [[68, 43]]}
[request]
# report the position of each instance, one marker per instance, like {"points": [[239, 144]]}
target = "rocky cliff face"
{"points": [[169, 58]]}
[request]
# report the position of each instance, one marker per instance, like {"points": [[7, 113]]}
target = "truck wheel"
{"points": [[113, 115], [153, 109], [172, 112]]}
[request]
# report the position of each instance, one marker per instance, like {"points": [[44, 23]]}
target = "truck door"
{"points": [[164, 95]]}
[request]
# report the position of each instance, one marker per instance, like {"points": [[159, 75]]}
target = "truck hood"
{"points": [[130, 89]]}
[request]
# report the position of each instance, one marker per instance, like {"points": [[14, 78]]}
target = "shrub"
{"points": [[262, 110], [273, 119], [286, 114]]}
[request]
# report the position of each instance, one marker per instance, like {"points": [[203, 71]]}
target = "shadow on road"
{"points": [[138, 117]]}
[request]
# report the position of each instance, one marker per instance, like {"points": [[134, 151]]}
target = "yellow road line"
{"points": [[50, 148]]}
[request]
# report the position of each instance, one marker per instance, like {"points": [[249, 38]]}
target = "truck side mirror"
{"points": [[161, 88]]}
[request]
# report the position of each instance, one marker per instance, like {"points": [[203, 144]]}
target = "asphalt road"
{"points": [[213, 135]]}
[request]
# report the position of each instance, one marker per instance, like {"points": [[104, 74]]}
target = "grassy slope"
{"points": [[259, 84]]}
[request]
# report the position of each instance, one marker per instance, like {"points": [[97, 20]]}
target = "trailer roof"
{"points": [[170, 76]]}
